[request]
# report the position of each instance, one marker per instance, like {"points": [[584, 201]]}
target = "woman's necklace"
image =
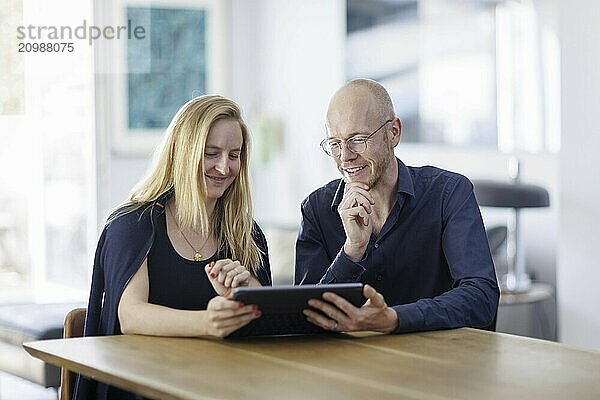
{"points": [[197, 254]]}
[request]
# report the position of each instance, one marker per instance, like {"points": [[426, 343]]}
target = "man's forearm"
{"points": [[473, 304]]}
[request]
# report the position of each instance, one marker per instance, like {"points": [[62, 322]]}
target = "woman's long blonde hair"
{"points": [[179, 166]]}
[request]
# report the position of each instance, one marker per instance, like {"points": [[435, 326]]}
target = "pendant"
{"points": [[197, 257]]}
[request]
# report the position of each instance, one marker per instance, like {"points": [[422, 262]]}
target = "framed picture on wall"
{"points": [[174, 51]]}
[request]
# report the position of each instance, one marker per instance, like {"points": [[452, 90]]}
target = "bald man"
{"points": [[413, 235]]}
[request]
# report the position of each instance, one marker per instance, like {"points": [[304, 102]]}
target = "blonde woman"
{"points": [[169, 257]]}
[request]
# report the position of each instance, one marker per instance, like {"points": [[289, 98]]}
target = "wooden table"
{"points": [[453, 364]]}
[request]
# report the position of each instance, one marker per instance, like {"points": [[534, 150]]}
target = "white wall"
{"points": [[578, 271], [287, 61]]}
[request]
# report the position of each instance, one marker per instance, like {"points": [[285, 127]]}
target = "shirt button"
{"points": [[379, 278], [376, 245]]}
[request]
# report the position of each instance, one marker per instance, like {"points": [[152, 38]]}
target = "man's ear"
{"points": [[396, 131]]}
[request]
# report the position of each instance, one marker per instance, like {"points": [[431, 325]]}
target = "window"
{"points": [[466, 73], [47, 202]]}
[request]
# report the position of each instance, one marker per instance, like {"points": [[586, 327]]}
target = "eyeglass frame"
{"points": [[345, 141]]}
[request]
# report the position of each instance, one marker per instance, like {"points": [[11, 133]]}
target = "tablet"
{"points": [[282, 306]]}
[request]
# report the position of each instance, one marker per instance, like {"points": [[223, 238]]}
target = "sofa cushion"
{"points": [[27, 322], [32, 321]]}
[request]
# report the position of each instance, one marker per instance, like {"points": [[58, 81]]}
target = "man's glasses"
{"points": [[357, 144]]}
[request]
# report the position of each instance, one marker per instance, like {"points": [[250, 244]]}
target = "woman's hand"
{"points": [[225, 275], [226, 316]]}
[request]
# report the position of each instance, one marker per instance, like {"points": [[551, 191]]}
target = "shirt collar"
{"points": [[405, 185]]}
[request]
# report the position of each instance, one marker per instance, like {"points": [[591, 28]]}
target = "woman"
{"points": [[169, 257]]}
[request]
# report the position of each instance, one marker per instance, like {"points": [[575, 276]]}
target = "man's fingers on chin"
{"points": [[357, 184], [366, 221]]}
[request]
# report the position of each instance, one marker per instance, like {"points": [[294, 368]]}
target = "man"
{"points": [[414, 236]]}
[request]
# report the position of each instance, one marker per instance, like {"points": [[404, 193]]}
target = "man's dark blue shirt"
{"points": [[431, 260]]}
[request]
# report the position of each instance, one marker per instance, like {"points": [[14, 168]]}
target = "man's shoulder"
{"points": [[323, 195], [430, 176]]}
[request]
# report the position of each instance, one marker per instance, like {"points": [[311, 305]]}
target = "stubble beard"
{"points": [[378, 168]]}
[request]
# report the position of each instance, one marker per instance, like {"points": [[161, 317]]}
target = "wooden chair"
{"points": [[73, 327]]}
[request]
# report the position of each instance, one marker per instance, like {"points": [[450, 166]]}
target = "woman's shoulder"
{"points": [[129, 219], [125, 237], [257, 232], [258, 236]]}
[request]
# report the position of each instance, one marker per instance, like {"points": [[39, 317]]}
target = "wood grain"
{"points": [[454, 364]]}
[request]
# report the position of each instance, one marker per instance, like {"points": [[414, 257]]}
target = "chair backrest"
{"points": [[73, 327]]}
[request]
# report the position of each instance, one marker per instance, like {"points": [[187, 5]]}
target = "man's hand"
{"points": [[342, 316], [355, 210]]}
